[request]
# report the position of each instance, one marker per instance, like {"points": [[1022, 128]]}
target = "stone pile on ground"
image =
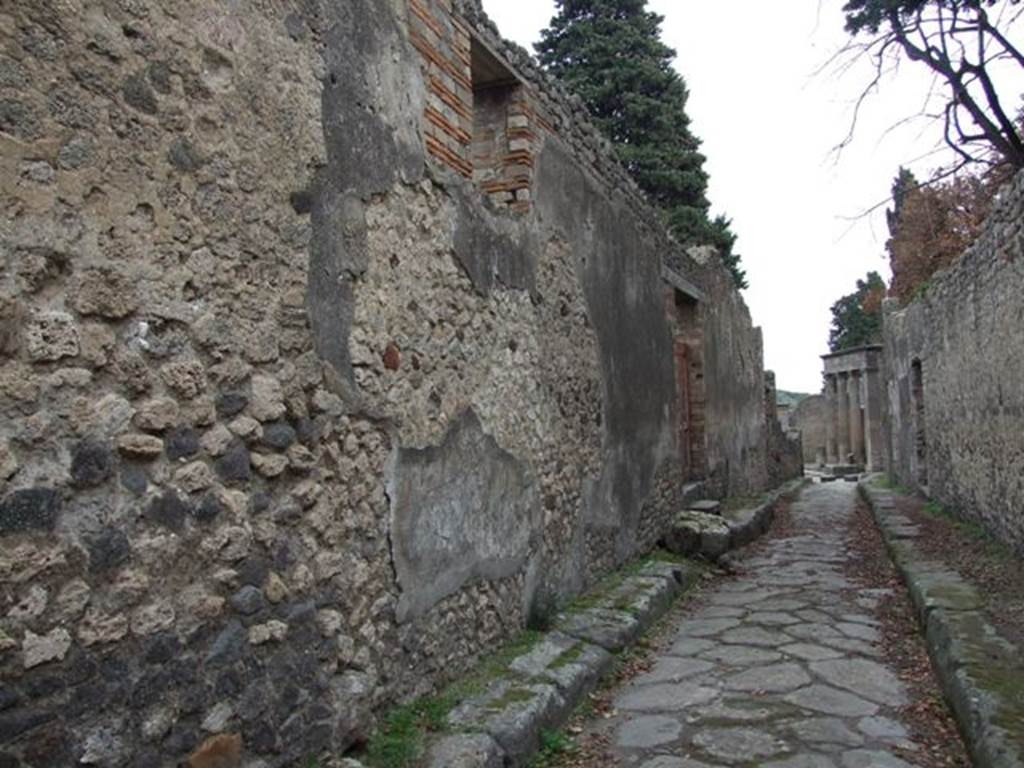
{"points": [[706, 530]]}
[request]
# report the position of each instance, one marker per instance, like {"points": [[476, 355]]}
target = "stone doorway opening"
{"points": [[920, 434], [688, 352]]}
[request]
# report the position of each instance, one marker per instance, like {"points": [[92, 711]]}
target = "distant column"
{"points": [[856, 419], [876, 446], [843, 418], [831, 454]]}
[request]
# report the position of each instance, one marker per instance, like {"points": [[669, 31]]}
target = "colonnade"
{"points": [[844, 423]]}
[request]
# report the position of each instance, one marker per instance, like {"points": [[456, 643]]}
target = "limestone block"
{"points": [[217, 440], [51, 336], [269, 466], [247, 428], [104, 291], [157, 415], [186, 378], [470, 750], [194, 477], [8, 460], [99, 627], [12, 315], [39, 649], [98, 342], [31, 605], [140, 446], [267, 402], [71, 600], [149, 619], [260, 634]]}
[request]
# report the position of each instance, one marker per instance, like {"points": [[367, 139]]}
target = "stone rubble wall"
{"points": [[296, 422], [809, 418], [966, 333], [784, 451]]}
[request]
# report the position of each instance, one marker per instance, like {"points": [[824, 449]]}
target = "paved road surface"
{"points": [[780, 668]]}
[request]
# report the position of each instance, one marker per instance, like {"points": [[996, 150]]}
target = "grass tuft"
{"points": [[553, 745]]}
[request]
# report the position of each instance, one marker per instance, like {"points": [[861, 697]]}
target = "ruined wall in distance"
{"points": [[784, 451], [809, 418], [956, 423]]}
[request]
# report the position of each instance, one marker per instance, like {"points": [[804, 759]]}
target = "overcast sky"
{"points": [[768, 123]]}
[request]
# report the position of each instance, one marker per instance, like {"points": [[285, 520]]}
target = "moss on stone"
{"points": [[508, 698], [401, 740], [568, 657]]}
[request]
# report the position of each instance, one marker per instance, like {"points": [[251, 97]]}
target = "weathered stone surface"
{"points": [[736, 745], [169, 510], [105, 291], [647, 732], [466, 751], [973, 455], [199, 270], [248, 600], [234, 466], [8, 460], [194, 477], [831, 701], [611, 630], [139, 446], [92, 464], [108, 549], [735, 689], [157, 415], [51, 336], [29, 509], [774, 678], [182, 443], [472, 474], [39, 649], [267, 403], [666, 697], [828, 730], [863, 677]]}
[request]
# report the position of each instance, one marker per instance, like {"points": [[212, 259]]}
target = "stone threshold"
{"points": [[981, 673], [501, 727]]}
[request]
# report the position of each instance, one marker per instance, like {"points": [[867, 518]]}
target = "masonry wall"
{"points": [[784, 451], [737, 453], [299, 418], [809, 418], [959, 434]]}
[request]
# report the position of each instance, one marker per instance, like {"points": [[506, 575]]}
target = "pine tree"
{"points": [[610, 53], [857, 317]]}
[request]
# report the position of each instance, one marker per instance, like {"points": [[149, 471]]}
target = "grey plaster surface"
{"points": [[779, 666]]}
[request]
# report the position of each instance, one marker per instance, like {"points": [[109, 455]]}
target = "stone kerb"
{"points": [[981, 673]]}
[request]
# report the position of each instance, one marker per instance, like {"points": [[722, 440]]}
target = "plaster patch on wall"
{"points": [[461, 511]]}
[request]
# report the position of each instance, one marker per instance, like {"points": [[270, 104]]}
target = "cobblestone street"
{"points": [[781, 668]]}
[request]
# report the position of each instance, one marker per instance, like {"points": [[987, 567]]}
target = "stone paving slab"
{"points": [[982, 674], [779, 667]]}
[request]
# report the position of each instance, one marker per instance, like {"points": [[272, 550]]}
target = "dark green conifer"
{"points": [[610, 53]]}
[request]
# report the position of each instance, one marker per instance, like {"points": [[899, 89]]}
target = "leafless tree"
{"points": [[965, 43]]}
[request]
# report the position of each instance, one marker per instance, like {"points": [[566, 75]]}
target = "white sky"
{"points": [[768, 123]]}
